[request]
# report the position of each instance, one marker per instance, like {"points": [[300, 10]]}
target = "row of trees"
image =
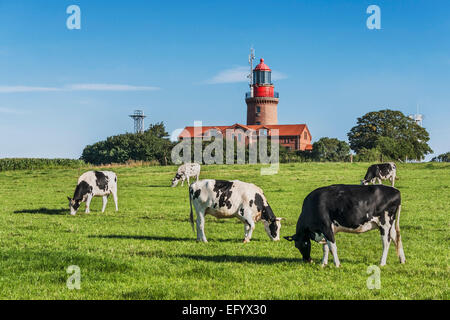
{"points": [[445, 157], [152, 145], [377, 136]]}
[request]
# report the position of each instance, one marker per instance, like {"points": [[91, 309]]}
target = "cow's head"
{"points": [[73, 205], [175, 180], [303, 244], [273, 228], [364, 182]]}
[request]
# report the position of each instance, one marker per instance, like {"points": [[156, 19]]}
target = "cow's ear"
{"points": [[291, 238], [69, 198]]}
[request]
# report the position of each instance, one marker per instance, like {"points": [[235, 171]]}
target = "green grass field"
{"points": [[147, 250]]}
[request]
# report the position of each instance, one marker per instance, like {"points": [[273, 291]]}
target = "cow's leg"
{"points": [[332, 246], [182, 180], [88, 202], [326, 250], [392, 180], [105, 201], [386, 242], [188, 181], [114, 193], [395, 235], [379, 180], [198, 175], [201, 225], [249, 224], [385, 239], [246, 231]]}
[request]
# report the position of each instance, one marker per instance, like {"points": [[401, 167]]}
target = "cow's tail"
{"points": [[398, 237], [191, 215]]}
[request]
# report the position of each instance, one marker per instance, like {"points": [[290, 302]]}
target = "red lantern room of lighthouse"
{"points": [[262, 100]]}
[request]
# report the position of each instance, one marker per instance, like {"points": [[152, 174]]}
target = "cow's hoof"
{"points": [[246, 241], [323, 265]]}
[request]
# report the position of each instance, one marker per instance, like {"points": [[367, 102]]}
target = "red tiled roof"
{"points": [[284, 129]]}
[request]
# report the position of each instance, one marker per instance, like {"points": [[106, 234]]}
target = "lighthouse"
{"points": [[262, 119], [262, 100]]}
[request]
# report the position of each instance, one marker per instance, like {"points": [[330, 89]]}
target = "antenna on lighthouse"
{"points": [[251, 57]]}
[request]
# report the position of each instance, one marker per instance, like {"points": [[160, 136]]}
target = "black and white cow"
{"points": [[381, 171], [94, 184], [227, 199], [184, 172], [348, 208]]}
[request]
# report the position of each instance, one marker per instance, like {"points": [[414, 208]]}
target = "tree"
{"points": [[152, 144], [330, 149], [395, 135], [445, 157]]}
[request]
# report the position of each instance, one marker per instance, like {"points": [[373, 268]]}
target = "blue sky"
{"points": [[183, 61]]}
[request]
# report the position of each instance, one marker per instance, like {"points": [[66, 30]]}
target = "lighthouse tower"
{"points": [[262, 100]]}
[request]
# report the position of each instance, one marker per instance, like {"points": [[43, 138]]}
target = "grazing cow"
{"points": [[348, 208], [94, 184], [227, 199], [381, 171], [186, 171]]}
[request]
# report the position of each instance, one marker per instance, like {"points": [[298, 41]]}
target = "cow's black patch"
{"points": [[259, 202], [196, 194], [82, 189], [101, 180], [251, 203], [382, 219], [266, 211], [273, 229], [241, 211], [223, 192]]}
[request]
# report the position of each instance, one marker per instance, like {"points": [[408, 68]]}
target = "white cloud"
{"points": [[278, 75], [77, 87], [11, 111], [108, 87], [14, 89], [239, 74]]}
